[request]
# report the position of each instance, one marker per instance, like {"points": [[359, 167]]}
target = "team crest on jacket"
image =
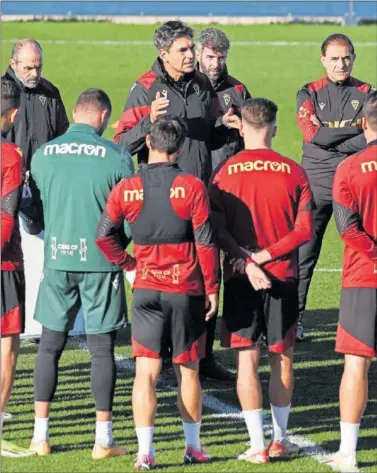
{"points": [[42, 99], [196, 88], [322, 105], [227, 98], [355, 104], [164, 93]]}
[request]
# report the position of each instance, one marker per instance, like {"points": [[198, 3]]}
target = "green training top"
{"points": [[75, 174]]}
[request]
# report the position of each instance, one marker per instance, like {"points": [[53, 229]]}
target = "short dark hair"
{"points": [[214, 39], [259, 112], [167, 134], [10, 95], [95, 98], [337, 38], [167, 33], [370, 110]]}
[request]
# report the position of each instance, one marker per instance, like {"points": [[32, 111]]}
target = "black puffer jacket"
{"points": [[231, 93], [192, 99], [41, 117]]}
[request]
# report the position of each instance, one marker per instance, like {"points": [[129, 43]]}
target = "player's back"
{"points": [[355, 200], [75, 174], [164, 208], [11, 180], [262, 191], [363, 182]]}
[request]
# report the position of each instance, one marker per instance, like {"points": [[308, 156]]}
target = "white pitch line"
{"points": [[328, 270], [308, 448], [104, 42]]}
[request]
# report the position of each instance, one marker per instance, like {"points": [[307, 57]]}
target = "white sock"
{"points": [[254, 424], [104, 433], [192, 434], [2, 415], [349, 434], [40, 429], [145, 440], [279, 422]]}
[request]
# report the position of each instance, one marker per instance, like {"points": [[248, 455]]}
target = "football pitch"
{"points": [[273, 61]]}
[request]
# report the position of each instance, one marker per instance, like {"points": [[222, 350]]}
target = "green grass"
{"points": [[274, 72]]}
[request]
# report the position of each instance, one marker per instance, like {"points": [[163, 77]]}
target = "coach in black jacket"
{"points": [[212, 51], [329, 114], [42, 116], [173, 86]]}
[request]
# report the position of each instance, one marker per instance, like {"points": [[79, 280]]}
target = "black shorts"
{"points": [[163, 318], [250, 316], [357, 328], [12, 302]]}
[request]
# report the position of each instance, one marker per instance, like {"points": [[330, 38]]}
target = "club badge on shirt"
{"points": [[227, 98]]}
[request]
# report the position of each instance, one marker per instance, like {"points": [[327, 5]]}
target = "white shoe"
{"points": [[340, 462], [9, 449]]}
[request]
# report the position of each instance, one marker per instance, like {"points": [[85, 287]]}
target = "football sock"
{"points": [[145, 439], [279, 422], [192, 434], [40, 429], [254, 424], [104, 433], [349, 434]]}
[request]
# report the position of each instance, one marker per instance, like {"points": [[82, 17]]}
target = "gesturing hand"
{"points": [[231, 120], [158, 107]]}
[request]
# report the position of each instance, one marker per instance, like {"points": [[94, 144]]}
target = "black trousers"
{"points": [[309, 253]]}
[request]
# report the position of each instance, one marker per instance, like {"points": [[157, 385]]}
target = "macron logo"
{"points": [[369, 167], [259, 165], [131, 195], [74, 148]]}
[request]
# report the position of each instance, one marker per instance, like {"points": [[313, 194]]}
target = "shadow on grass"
{"points": [[315, 385]]}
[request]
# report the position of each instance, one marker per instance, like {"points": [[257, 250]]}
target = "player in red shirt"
{"points": [[176, 270], [12, 264], [261, 203], [355, 212]]}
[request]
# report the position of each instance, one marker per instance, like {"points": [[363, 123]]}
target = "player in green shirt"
{"points": [[74, 175]]}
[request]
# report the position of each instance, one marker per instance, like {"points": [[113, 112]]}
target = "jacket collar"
{"points": [[82, 127], [345, 83], [159, 69], [11, 75], [372, 143]]}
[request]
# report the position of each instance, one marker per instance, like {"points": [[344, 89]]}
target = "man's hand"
{"points": [[231, 120], [131, 276], [261, 257], [212, 304], [257, 277], [158, 107], [130, 263], [315, 120]]}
